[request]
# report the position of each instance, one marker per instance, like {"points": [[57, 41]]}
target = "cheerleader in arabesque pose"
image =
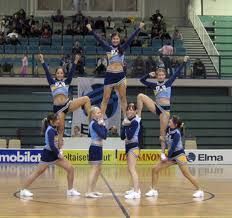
{"points": [[51, 154], [98, 133], [176, 155], [60, 92], [115, 76], [132, 134], [162, 92]]}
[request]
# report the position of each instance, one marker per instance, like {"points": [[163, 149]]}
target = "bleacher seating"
{"points": [[220, 30]]}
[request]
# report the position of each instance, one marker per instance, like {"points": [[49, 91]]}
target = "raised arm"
{"points": [[144, 81], [73, 69], [103, 43], [177, 72], [132, 36], [45, 67]]}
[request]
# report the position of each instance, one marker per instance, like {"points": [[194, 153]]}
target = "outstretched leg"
{"points": [[185, 171], [79, 102], [147, 101], [156, 169], [40, 170]]}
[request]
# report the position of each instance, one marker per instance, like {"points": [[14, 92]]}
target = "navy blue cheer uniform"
{"points": [[162, 89], [176, 149], [60, 87], [50, 152], [132, 134], [113, 78], [97, 133]]}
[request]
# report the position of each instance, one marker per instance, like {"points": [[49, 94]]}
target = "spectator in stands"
{"points": [[166, 51], [69, 30], [13, 33], [77, 132], [45, 37], [113, 132], [66, 63], [58, 17], [101, 67], [150, 64], [46, 26], [80, 71], [35, 30], [2, 39], [109, 24], [24, 68], [177, 35], [100, 24], [155, 34], [21, 14], [31, 20], [14, 40], [78, 18], [165, 36], [157, 17], [138, 67], [199, 69], [77, 49], [136, 43]]}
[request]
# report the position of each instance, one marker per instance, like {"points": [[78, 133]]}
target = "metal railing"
{"points": [[206, 40]]}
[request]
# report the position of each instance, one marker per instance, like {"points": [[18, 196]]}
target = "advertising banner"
{"points": [[209, 156], [81, 156], [145, 157], [20, 155]]}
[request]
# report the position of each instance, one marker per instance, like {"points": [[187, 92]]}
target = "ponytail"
{"points": [[47, 121]]}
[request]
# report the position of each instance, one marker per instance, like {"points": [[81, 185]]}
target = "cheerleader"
{"points": [[97, 132], [115, 75], [51, 154], [132, 133], [60, 90], [161, 105], [176, 155]]}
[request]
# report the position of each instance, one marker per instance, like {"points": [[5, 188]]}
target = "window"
{"points": [[101, 5], [75, 5], [125, 5], [49, 4]]}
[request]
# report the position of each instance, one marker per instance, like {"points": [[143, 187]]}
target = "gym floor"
{"points": [[174, 200]]}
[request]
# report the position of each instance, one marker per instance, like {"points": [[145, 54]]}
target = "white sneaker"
{"points": [[163, 157], [99, 194], [152, 193], [73, 192], [130, 191], [133, 195], [198, 194], [91, 195], [25, 193]]}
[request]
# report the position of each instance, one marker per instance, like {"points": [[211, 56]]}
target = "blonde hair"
{"points": [[93, 110]]}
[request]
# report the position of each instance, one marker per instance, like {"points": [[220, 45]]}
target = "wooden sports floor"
{"points": [[174, 200]]}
